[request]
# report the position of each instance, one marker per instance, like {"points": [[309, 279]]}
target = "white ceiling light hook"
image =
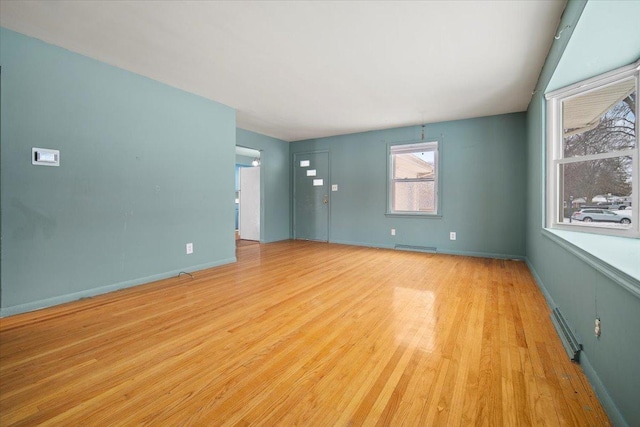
{"points": [[557, 36]]}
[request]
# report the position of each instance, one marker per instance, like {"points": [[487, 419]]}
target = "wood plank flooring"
{"points": [[301, 333]]}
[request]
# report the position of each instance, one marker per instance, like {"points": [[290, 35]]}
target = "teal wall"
{"points": [[577, 287], [616, 45], [243, 160], [482, 173], [274, 181], [144, 169]]}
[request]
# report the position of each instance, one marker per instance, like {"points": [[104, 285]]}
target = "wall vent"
{"points": [[426, 249], [569, 341]]}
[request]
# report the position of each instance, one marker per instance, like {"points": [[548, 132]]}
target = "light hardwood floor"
{"points": [[301, 333]]}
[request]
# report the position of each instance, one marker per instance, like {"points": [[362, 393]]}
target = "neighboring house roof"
{"points": [[410, 166]]}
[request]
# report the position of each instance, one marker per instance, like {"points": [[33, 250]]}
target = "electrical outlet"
{"points": [[452, 235], [393, 231], [189, 248]]}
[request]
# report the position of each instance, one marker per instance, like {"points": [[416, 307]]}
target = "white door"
{"points": [[249, 204]]}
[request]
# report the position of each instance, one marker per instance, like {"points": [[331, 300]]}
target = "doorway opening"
{"points": [[248, 196]]}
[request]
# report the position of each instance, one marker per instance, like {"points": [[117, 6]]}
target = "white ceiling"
{"points": [[299, 70]]}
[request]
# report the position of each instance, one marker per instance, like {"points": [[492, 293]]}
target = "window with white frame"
{"points": [[413, 178], [592, 155]]}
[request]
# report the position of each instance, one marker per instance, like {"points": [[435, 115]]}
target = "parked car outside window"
{"points": [[602, 215]]}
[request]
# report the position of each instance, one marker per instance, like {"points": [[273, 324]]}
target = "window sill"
{"points": [[412, 215], [616, 257]]}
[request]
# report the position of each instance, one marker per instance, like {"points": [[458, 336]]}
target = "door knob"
{"points": [[325, 199]]}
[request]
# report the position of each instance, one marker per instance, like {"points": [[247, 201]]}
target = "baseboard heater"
{"points": [[569, 341], [426, 249]]}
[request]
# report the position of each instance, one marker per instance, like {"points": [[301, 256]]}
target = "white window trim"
{"points": [[554, 152], [412, 147]]}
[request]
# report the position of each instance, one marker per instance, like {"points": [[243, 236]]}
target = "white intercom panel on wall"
{"points": [[45, 157]]}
